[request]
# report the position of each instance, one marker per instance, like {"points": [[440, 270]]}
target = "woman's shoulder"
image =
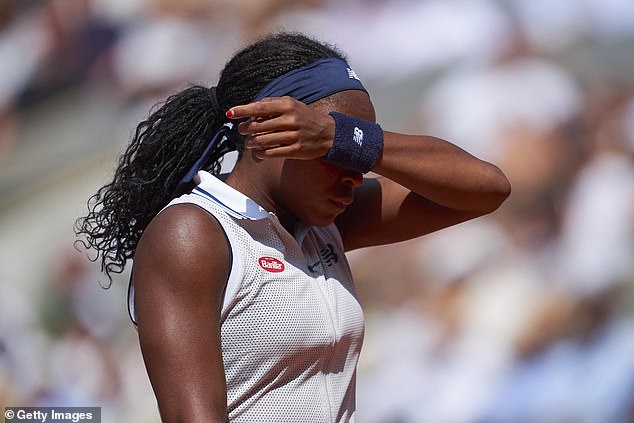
{"points": [[182, 235], [183, 217]]}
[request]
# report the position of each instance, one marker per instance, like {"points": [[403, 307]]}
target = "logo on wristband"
{"points": [[358, 136]]}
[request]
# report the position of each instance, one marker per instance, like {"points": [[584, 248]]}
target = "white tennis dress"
{"points": [[291, 324]]}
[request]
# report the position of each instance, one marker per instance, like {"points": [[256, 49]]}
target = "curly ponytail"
{"points": [[167, 144]]}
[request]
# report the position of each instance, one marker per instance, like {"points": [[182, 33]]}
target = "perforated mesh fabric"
{"points": [[290, 339]]}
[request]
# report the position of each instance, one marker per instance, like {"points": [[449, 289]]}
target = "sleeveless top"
{"points": [[291, 324]]}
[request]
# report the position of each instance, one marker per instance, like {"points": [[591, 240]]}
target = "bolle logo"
{"points": [[271, 264], [358, 136]]}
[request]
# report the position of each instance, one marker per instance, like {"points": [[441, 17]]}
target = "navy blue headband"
{"points": [[313, 82], [306, 84]]}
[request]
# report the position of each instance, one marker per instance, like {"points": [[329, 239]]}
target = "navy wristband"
{"points": [[357, 144]]}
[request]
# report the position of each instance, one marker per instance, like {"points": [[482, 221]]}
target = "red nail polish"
{"points": [[229, 113]]}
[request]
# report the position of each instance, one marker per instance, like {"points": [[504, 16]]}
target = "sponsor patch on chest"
{"points": [[271, 264]]}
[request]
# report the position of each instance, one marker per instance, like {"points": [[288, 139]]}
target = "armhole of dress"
{"points": [[233, 281], [235, 269], [131, 312]]}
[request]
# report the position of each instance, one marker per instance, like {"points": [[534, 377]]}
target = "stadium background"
{"points": [[522, 316]]}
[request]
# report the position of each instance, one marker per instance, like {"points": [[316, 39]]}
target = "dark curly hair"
{"points": [[172, 138]]}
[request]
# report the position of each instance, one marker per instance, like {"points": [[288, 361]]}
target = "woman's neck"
{"points": [[257, 181]]}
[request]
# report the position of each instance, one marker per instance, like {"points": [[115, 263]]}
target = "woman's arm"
{"points": [[425, 184], [181, 267]]}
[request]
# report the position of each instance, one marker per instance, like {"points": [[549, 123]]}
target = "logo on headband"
{"points": [[352, 74], [358, 136]]}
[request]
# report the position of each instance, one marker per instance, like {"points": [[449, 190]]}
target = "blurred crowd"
{"points": [[526, 315]]}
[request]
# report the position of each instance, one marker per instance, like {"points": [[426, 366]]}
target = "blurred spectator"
{"points": [[398, 39], [24, 44], [479, 107], [75, 41]]}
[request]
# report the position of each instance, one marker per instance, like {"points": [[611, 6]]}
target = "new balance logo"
{"points": [[358, 136], [328, 255], [352, 75]]}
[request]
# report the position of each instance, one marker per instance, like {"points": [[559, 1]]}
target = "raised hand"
{"points": [[283, 127]]}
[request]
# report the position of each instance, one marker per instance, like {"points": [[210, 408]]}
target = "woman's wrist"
{"points": [[357, 144]]}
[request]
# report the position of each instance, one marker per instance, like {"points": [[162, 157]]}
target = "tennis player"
{"points": [[244, 301]]}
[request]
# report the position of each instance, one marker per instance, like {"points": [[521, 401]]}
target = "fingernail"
{"points": [[229, 113]]}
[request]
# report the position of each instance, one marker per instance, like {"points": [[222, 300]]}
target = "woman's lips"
{"points": [[342, 204]]}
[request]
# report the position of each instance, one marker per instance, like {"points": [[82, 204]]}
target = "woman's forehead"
{"points": [[351, 102]]}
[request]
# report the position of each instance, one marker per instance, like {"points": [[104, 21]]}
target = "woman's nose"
{"points": [[352, 178]]}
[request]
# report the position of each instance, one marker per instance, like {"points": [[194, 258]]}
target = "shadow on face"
{"points": [[314, 191]]}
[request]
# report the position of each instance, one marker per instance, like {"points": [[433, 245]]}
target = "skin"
{"points": [[181, 264]]}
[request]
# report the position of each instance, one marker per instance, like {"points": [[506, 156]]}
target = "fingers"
{"points": [[256, 126], [284, 145], [271, 122], [284, 151], [265, 108], [270, 140], [267, 116], [284, 127]]}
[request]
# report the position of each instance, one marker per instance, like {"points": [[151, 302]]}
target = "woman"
{"points": [[244, 301]]}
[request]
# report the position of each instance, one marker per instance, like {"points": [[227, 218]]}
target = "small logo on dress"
{"points": [[358, 136], [271, 264], [328, 255], [352, 74]]}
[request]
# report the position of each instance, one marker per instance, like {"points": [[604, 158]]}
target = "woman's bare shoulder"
{"points": [[183, 243]]}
